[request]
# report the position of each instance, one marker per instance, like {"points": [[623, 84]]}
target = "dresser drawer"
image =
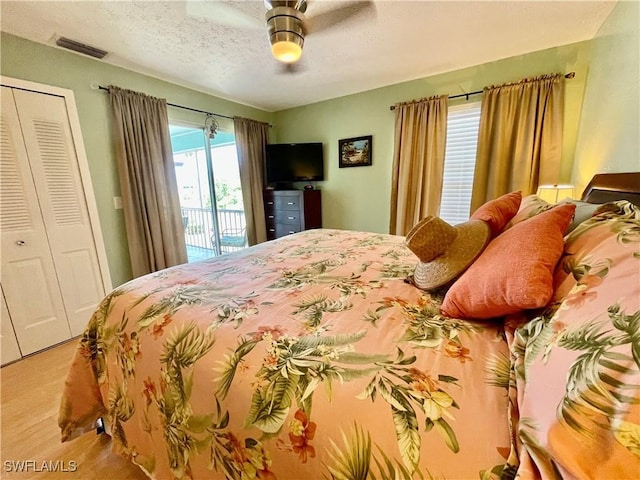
{"points": [[289, 217], [270, 218], [269, 204], [287, 202], [282, 230]]}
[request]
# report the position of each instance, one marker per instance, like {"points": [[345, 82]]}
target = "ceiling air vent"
{"points": [[80, 48]]}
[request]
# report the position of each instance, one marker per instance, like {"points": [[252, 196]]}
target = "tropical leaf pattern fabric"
{"points": [[308, 357], [577, 364]]}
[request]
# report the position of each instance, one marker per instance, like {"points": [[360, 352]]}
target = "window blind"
{"points": [[459, 162]]}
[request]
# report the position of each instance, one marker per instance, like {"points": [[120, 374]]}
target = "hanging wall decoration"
{"points": [[355, 152]]}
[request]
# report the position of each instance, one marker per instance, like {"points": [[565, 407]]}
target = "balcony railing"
{"points": [[199, 231]]}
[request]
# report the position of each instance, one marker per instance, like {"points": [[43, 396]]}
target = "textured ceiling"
{"points": [[221, 47]]}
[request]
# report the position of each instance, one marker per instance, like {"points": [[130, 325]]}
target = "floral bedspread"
{"points": [[308, 357], [577, 364]]}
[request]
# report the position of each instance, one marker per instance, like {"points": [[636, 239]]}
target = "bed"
{"points": [[312, 357]]}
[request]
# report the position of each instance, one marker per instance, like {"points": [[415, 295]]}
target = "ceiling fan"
{"points": [[288, 25], [287, 22]]}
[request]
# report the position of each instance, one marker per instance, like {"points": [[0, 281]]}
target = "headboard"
{"points": [[609, 187]]}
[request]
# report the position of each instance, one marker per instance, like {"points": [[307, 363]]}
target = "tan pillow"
{"points": [[515, 272], [530, 206]]}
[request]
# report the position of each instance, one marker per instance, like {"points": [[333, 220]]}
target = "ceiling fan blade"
{"points": [[227, 14], [300, 5], [334, 18]]}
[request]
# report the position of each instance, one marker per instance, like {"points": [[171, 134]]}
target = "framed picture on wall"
{"points": [[355, 152]]}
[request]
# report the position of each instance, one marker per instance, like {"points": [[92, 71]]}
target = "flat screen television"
{"points": [[294, 162]]}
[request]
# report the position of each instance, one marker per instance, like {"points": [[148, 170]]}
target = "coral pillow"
{"points": [[498, 212], [515, 271]]}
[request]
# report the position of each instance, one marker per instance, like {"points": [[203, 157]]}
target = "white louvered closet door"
{"points": [[28, 273], [54, 166], [9, 349]]}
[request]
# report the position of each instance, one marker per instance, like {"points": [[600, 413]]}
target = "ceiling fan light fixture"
{"points": [[287, 47], [286, 33]]}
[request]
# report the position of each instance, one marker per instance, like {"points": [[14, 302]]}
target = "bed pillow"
{"points": [[533, 205], [530, 206], [498, 212], [515, 271], [577, 380], [584, 211]]}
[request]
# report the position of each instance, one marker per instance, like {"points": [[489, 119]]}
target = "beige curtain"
{"points": [[520, 138], [251, 141], [147, 181], [418, 162]]}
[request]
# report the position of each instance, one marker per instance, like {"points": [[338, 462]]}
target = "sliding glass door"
{"points": [[209, 189]]}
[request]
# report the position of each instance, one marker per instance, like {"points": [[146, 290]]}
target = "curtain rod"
{"points": [[568, 75], [100, 87]]}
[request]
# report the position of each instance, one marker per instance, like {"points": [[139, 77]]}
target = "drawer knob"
{"points": [[271, 216], [291, 218], [291, 203], [291, 231]]}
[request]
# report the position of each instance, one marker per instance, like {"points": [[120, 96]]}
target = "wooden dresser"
{"points": [[291, 211]]}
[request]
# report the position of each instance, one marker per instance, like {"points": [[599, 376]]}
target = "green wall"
{"points": [[609, 135], [23, 59], [358, 198]]}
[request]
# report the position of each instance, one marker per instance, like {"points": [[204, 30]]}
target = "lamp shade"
{"points": [[553, 193]]}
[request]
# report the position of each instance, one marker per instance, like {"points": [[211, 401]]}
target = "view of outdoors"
{"points": [[211, 228]]}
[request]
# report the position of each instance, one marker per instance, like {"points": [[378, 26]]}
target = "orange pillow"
{"points": [[515, 271], [498, 212]]}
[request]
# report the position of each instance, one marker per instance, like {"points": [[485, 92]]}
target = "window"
{"points": [[209, 190], [459, 162]]}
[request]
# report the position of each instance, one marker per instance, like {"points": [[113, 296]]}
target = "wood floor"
{"points": [[30, 392]]}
